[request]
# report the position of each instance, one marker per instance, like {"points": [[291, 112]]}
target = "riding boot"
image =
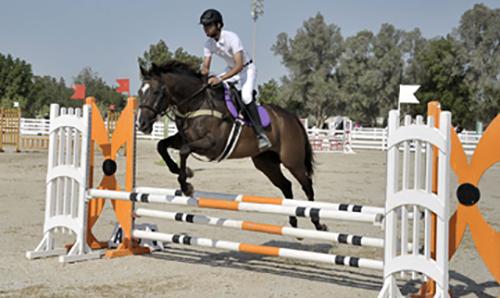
{"points": [[253, 114]]}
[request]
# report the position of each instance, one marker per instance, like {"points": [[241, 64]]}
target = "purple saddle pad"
{"points": [[263, 114]]}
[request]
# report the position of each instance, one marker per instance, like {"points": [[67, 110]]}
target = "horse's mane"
{"points": [[178, 67]]}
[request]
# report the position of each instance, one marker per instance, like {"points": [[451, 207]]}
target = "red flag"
{"points": [[123, 86], [79, 92]]}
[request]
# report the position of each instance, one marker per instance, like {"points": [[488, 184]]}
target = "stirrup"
{"points": [[264, 142]]}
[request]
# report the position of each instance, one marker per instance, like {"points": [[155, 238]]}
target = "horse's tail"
{"points": [[309, 157]]}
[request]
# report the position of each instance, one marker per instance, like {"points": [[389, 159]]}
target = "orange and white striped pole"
{"points": [[262, 228], [261, 250], [267, 200], [306, 212]]}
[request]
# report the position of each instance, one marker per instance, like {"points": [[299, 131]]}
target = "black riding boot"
{"points": [[253, 114]]}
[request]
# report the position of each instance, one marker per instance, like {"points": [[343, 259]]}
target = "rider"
{"points": [[228, 46]]}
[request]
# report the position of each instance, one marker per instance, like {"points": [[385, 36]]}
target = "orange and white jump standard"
{"points": [[74, 204]]}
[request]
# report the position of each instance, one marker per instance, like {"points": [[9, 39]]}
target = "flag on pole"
{"points": [[406, 94], [79, 92], [123, 86]]}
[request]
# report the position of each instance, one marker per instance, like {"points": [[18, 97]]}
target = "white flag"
{"points": [[406, 93]]}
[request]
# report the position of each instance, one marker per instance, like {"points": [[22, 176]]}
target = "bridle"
{"points": [[157, 110]]}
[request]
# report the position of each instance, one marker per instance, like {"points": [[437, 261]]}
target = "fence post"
{"points": [[1, 130]]}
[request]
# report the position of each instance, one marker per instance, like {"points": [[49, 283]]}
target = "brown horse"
{"points": [[204, 125]]}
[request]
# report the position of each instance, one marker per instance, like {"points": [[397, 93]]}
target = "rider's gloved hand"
{"points": [[214, 80]]}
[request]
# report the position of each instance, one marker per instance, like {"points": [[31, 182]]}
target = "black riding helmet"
{"points": [[211, 16]]}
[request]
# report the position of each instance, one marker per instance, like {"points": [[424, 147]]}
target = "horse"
{"points": [[204, 125]]}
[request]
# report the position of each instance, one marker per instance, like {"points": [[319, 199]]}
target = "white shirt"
{"points": [[228, 44]]}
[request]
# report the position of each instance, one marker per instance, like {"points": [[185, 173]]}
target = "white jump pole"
{"points": [[306, 212], [263, 228], [266, 200], [261, 250]]}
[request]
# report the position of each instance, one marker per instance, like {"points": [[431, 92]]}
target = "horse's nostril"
{"points": [[142, 124]]}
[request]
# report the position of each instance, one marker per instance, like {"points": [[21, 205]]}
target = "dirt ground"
{"points": [[194, 272]]}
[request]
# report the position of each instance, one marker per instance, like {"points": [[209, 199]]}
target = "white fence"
{"points": [[366, 138], [369, 138], [376, 139], [35, 127]]}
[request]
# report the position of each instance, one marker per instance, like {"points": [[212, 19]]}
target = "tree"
{"points": [[388, 67], [98, 88], [412, 44], [34, 93], [479, 34], [47, 90], [441, 75], [358, 79], [181, 55], [15, 81], [311, 57], [159, 53], [370, 71], [269, 92]]}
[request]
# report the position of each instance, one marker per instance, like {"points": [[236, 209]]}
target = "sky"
{"points": [[61, 37]]}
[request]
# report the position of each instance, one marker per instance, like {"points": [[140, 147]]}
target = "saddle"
{"points": [[237, 108]]}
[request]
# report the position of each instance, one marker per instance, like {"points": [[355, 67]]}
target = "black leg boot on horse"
{"points": [[253, 115]]}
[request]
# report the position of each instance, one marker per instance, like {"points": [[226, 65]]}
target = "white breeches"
{"points": [[245, 81]]}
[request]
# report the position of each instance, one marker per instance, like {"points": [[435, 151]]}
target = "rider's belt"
{"points": [[248, 63]]}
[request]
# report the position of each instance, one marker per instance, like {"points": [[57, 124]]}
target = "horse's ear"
{"points": [[144, 72], [154, 68]]}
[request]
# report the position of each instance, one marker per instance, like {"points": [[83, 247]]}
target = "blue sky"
{"points": [[60, 38]]}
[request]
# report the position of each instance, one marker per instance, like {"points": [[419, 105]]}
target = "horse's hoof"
{"points": [[188, 190], [322, 227], [189, 173], [299, 239]]}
